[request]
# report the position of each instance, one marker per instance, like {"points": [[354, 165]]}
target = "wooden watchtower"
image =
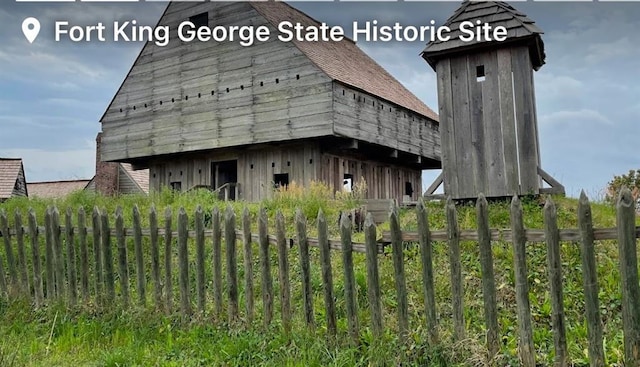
{"points": [[487, 108]]}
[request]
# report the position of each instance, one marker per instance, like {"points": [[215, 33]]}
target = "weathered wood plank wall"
{"points": [[488, 124], [204, 95]]}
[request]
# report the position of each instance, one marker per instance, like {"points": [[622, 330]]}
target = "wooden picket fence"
{"points": [[76, 278]]}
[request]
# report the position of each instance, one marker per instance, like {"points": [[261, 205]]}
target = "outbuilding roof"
{"points": [[9, 173], [55, 189]]}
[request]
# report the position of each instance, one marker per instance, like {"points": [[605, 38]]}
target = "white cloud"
{"points": [[602, 52], [582, 117]]}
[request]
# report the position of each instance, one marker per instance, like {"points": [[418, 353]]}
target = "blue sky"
{"points": [[52, 94]]}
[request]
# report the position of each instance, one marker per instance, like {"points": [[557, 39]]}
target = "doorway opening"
{"points": [[223, 173]]}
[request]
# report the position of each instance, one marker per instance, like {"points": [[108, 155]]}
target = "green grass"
{"points": [[94, 336]]}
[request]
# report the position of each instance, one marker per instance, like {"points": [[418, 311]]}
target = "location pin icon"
{"points": [[31, 28]]}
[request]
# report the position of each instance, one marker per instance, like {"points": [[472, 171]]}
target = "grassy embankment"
{"points": [[95, 336]]}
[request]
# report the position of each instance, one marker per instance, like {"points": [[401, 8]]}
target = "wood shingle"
{"points": [[495, 13], [12, 180]]}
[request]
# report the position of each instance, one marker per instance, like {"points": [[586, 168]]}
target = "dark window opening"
{"points": [[281, 180], [288, 164], [186, 98], [176, 186], [347, 182], [408, 188], [277, 80], [273, 164], [251, 166], [310, 161], [200, 20], [480, 76]]}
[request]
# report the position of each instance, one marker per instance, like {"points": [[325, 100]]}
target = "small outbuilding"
{"points": [[12, 178]]}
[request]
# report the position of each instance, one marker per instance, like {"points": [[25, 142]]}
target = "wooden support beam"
{"points": [[434, 186], [556, 187], [394, 153]]}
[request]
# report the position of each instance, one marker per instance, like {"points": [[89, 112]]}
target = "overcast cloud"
{"points": [[53, 94]]}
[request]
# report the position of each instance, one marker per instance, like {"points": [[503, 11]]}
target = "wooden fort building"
{"points": [[487, 108], [220, 114]]}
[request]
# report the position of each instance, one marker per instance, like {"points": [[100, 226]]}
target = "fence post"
{"points": [[349, 279], [123, 270], [3, 281], [84, 254], [397, 253], [137, 244], [168, 277], [71, 257], [265, 266], [217, 262], [426, 256], [554, 264], [97, 252], [373, 277], [11, 261], [199, 227], [488, 278], [283, 273], [248, 264], [305, 267], [629, 273], [22, 259], [49, 261], [58, 253], [232, 269], [590, 282], [327, 276], [107, 256], [519, 239], [183, 263], [155, 256], [38, 295], [453, 235]]}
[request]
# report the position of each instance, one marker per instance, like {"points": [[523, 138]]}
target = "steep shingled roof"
{"points": [[9, 171], [55, 189], [140, 177], [344, 61], [495, 13]]}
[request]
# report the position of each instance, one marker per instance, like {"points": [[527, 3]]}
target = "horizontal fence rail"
{"points": [[196, 270]]}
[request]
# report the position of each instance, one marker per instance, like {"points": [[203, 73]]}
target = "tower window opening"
{"points": [[480, 76]]}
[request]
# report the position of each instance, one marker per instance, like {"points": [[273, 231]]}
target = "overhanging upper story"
{"points": [[198, 96]]}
